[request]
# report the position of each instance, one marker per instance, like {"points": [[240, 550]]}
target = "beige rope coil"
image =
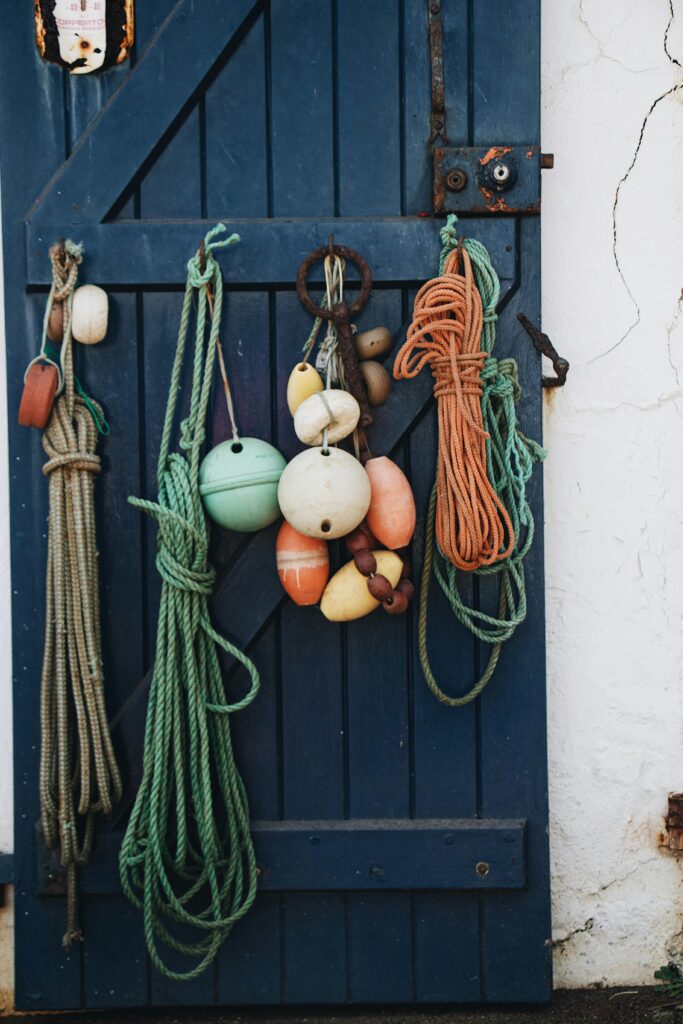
{"points": [[79, 776]]}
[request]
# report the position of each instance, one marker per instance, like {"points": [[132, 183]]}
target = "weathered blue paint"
{"points": [[289, 119]]}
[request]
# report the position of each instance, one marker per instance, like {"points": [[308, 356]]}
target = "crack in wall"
{"points": [[561, 942], [666, 36], [669, 92], [602, 53]]}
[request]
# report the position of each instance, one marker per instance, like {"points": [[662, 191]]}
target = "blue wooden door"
{"points": [[372, 803]]}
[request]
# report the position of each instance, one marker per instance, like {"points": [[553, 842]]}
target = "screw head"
{"points": [[456, 180], [482, 868]]}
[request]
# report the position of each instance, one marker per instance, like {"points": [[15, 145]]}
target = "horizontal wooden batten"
{"points": [[298, 856], [148, 253]]}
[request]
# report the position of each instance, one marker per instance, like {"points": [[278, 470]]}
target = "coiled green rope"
{"points": [[510, 458], [187, 857]]}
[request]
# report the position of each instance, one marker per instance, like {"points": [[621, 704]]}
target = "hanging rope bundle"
{"points": [[509, 461], [187, 858], [79, 776], [473, 527]]}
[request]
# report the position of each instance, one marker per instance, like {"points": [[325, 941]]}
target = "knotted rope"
{"points": [[187, 858], [473, 527], [510, 458], [79, 776]]}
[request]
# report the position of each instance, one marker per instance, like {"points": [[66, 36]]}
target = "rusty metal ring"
{"points": [[319, 254]]}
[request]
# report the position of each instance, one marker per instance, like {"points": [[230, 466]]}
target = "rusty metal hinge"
{"points": [[438, 116], [674, 822]]}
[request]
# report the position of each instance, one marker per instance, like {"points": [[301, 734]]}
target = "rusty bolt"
{"points": [[547, 161], [482, 868], [456, 180]]}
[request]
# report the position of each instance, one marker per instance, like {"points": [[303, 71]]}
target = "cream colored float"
{"points": [[324, 494], [335, 409], [89, 314], [304, 380], [347, 597]]}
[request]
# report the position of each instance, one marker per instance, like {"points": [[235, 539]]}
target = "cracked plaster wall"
{"points": [[613, 273], [614, 489]]}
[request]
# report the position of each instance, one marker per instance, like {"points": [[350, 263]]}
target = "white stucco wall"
{"points": [[614, 489], [614, 481]]}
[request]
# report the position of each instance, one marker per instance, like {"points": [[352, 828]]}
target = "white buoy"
{"points": [[89, 314], [324, 493]]}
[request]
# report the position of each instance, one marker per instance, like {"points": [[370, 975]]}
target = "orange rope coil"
{"points": [[473, 527]]}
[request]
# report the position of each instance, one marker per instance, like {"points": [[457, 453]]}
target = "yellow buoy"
{"points": [[346, 596], [304, 381]]}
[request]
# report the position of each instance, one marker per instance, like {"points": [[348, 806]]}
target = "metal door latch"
{"points": [[494, 179], [544, 345]]}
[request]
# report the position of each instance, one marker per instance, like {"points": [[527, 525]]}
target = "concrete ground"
{"points": [[604, 1006]]}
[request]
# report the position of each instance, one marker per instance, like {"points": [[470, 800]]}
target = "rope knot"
{"points": [[75, 460], [184, 577], [199, 275]]}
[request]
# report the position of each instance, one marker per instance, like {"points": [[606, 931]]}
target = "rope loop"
{"points": [[79, 775], [188, 843], [508, 456]]}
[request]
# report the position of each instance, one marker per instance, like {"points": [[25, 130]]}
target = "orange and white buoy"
{"points": [[303, 565]]}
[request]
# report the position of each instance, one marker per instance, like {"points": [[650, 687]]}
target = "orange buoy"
{"points": [[38, 396], [303, 565], [391, 515]]}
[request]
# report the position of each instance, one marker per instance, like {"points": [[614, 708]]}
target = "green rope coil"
{"points": [[187, 858], [510, 458]]}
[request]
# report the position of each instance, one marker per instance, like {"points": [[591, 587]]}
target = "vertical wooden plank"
{"points": [[114, 954], [32, 149], [301, 105], [377, 699], [506, 68], [457, 69], [315, 948], [312, 745], [109, 372], [171, 188], [446, 924], [248, 968], [86, 95], [249, 962], [416, 103], [368, 125], [236, 154], [516, 929]]}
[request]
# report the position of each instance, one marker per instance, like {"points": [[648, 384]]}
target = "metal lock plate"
{"points": [[495, 179]]}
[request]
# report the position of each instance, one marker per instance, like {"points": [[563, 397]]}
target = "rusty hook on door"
{"points": [[544, 345]]}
